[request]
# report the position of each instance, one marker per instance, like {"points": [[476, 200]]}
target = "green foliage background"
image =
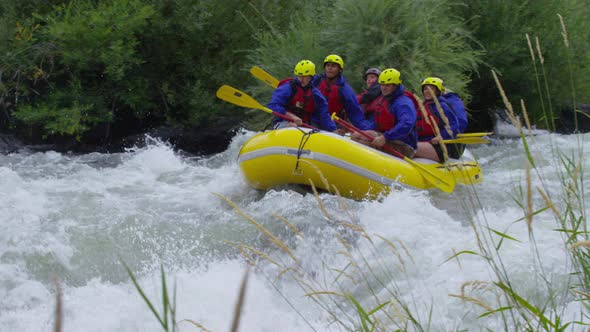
{"points": [[73, 67]]}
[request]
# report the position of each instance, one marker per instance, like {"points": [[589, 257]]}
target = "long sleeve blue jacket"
{"points": [[283, 94]]}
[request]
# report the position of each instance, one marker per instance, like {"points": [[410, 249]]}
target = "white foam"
{"points": [[71, 216]]}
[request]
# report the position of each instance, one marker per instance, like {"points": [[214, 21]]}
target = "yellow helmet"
{"points": [[437, 82], [390, 76], [335, 59], [304, 68]]}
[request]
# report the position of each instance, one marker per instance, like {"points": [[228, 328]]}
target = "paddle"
{"points": [[262, 75], [444, 182], [467, 140], [474, 134], [237, 97]]}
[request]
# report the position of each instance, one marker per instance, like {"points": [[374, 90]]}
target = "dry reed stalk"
{"points": [[201, 327], [473, 300], [441, 143], [240, 303], [351, 260], [474, 285], [347, 275], [432, 122], [283, 271], [324, 293], [401, 243], [395, 251], [526, 118], [343, 242], [322, 177], [249, 259], [58, 306], [507, 103], [302, 282], [261, 254], [356, 228], [529, 198], [290, 225], [342, 203], [347, 255], [576, 172], [541, 59], [397, 312], [584, 244], [320, 203], [441, 112], [261, 228], [563, 31], [477, 233], [528, 39], [423, 110], [549, 203]]}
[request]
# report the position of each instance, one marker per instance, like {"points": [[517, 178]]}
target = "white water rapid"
{"points": [[70, 219]]}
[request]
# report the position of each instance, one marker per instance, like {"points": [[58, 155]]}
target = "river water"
{"points": [[71, 220]]}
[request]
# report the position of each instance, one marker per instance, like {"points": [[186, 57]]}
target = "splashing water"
{"points": [[73, 217]]}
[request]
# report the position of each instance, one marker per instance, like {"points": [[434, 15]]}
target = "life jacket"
{"points": [[301, 101], [370, 108], [384, 119], [413, 98], [332, 94], [423, 127]]}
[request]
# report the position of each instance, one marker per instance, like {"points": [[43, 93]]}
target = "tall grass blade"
{"points": [[525, 304], [144, 296], [165, 302]]}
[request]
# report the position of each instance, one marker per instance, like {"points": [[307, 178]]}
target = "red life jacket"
{"points": [[371, 107], [413, 98], [301, 102], [332, 94], [384, 119], [422, 127]]}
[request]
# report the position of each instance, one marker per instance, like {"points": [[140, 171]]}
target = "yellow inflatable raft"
{"points": [[329, 161]]}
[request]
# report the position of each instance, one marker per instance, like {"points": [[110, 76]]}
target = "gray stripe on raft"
{"points": [[319, 157]]}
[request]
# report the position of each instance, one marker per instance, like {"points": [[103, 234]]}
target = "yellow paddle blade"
{"points": [[474, 134], [237, 97], [431, 172], [467, 140], [262, 75]]}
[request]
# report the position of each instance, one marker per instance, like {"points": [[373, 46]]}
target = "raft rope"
{"points": [[304, 138]]}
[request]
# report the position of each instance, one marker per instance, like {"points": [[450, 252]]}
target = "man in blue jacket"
{"points": [[300, 101], [395, 117], [341, 97]]}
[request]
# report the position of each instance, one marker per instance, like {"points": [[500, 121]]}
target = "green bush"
{"points": [[501, 26], [162, 61]]}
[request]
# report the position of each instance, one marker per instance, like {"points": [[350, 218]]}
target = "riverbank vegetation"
{"points": [[97, 70]]}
